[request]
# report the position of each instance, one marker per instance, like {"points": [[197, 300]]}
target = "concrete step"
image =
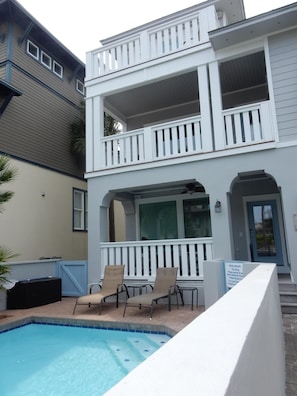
{"points": [[287, 287], [289, 308], [288, 297], [287, 294]]}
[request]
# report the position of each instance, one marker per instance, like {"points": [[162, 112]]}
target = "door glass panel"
{"points": [[158, 220], [263, 223], [197, 218]]}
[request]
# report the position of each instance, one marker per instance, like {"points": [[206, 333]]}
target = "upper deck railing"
{"points": [[242, 126], [152, 43]]}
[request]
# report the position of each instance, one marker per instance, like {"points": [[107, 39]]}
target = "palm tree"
{"points": [[7, 173], [78, 149], [78, 134]]}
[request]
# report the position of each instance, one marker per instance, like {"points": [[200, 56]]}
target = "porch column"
{"points": [[94, 133], [130, 220], [220, 225], [217, 108], [98, 206], [206, 128]]}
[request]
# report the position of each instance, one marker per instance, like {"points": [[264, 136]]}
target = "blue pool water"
{"points": [[39, 359]]}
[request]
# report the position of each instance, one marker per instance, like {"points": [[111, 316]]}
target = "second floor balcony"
{"points": [[241, 127]]}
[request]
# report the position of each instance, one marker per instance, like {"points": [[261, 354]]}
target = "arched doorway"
{"points": [[257, 220]]}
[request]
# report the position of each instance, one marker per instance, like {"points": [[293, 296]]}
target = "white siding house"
{"points": [[205, 167]]}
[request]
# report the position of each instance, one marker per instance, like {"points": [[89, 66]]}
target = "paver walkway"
{"points": [[290, 335]]}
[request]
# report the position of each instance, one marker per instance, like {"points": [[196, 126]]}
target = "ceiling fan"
{"points": [[192, 188]]}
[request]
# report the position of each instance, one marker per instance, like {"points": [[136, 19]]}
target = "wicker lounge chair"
{"points": [[112, 285], [164, 287]]}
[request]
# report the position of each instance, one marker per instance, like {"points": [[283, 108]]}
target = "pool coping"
{"points": [[109, 325]]}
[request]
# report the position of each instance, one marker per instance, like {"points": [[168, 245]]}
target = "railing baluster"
{"points": [[182, 138], [138, 257], [256, 125], [160, 256], [247, 127], [153, 257]]}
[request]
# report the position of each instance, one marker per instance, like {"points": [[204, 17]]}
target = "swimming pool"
{"points": [[48, 359]]}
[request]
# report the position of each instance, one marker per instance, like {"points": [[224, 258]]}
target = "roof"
{"points": [[260, 25], [13, 9], [6, 89]]}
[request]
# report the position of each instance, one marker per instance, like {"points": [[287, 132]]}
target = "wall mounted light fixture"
{"points": [[218, 207]]}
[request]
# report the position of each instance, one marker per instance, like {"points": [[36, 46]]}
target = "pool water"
{"points": [[39, 359]]}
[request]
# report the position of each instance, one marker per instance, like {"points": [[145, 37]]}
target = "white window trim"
{"points": [[83, 210], [78, 83], [55, 63], [30, 43], [44, 54]]}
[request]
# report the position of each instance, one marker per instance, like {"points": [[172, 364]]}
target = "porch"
{"points": [[241, 127], [142, 258]]}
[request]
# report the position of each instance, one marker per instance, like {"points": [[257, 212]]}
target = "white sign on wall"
{"points": [[233, 273]]}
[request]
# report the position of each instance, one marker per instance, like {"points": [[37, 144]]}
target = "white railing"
{"points": [[177, 138], [247, 125], [243, 126], [142, 258], [161, 141], [167, 38]]}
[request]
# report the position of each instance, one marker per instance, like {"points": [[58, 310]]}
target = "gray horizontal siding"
{"points": [[3, 44], [283, 59], [35, 126]]}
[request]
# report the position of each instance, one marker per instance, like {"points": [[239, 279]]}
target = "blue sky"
{"points": [[81, 25]]}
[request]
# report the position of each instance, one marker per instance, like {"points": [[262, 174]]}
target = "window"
{"points": [[32, 50], [58, 69], [182, 217], [46, 60], [80, 210], [80, 87], [197, 218], [158, 220]]}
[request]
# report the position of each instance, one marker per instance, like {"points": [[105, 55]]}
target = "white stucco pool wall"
{"points": [[236, 347]]}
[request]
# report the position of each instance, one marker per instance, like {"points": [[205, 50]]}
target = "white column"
{"points": [[206, 127], [89, 136], [94, 221], [217, 108], [98, 132]]}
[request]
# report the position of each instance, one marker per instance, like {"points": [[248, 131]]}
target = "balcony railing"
{"points": [[142, 258], [161, 40], [153, 143], [243, 126], [247, 125]]}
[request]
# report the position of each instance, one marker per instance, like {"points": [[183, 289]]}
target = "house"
{"points": [[205, 167], [41, 91]]}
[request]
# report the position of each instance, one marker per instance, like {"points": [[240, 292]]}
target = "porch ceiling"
{"points": [[236, 74], [156, 96], [190, 186]]}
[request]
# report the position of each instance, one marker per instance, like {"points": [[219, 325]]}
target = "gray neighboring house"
{"points": [[205, 167], [41, 90]]}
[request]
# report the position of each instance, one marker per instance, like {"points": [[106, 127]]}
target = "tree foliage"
{"points": [[7, 173], [78, 134]]}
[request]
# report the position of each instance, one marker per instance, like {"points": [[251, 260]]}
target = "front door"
{"points": [[264, 228]]}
